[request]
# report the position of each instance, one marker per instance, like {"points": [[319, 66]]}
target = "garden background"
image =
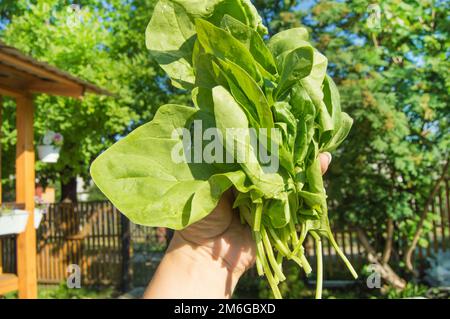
{"points": [[387, 184]]}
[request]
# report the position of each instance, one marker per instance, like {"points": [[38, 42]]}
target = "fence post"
{"points": [[125, 237]]}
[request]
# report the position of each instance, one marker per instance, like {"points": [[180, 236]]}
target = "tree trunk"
{"points": [[423, 216], [69, 190], [385, 271], [388, 245]]}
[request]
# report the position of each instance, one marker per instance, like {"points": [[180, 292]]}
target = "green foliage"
{"points": [[63, 292], [239, 83], [101, 43], [94, 194], [411, 290], [296, 286], [175, 55], [394, 82]]}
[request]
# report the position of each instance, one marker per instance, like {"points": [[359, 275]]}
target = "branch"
{"points": [[388, 245], [375, 40], [384, 270], [423, 216]]}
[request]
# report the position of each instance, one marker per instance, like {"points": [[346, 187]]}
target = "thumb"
{"points": [[325, 160]]}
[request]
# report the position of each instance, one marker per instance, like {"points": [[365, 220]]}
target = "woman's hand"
{"points": [[206, 259]]}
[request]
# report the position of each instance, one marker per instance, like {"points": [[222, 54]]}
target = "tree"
{"points": [[101, 42], [393, 75], [390, 61]]}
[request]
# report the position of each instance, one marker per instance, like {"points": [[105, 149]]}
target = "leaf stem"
{"points": [[299, 244], [259, 267], [303, 263], [257, 217], [342, 255], [319, 279], [282, 248], [265, 266], [270, 256], [306, 266], [293, 231]]}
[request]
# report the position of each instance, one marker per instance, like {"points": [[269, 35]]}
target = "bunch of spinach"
{"points": [[216, 49]]}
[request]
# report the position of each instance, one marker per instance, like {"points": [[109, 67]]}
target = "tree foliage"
{"points": [[393, 75], [102, 42]]}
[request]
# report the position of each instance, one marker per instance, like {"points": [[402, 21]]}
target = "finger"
{"points": [[325, 160]]}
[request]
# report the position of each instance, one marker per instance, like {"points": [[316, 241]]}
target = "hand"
{"points": [[225, 236], [219, 240]]}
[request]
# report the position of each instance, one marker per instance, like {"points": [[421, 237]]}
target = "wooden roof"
{"points": [[22, 75]]}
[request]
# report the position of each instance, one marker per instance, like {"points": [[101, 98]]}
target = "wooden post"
{"points": [[125, 240], [1, 123], [25, 188]]}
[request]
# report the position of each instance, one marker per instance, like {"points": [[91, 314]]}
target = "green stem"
{"points": [[286, 235], [257, 217], [306, 266], [280, 260], [302, 263], [242, 219], [282, 248], [293, 231], [299, 244], [269, 253], [259, 267], [246, 214], [265, 265], [342, 255], [319, 279]]}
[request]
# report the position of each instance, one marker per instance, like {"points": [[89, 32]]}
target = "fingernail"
{"points": [[329, 157]]}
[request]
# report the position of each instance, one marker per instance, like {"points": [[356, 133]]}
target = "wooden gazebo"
{"points": [[20, 77]]}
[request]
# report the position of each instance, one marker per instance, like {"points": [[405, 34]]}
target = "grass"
{"points": [[61, 291]]}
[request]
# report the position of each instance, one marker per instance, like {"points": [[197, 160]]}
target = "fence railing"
{"points": [[439, 237], [112, 251], [85, 234]]}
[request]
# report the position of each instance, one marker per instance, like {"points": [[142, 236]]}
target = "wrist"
{"points": [[189, 271]]}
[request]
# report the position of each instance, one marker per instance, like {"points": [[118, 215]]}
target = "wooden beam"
{"points": [[11, 91], [53, 88], [28, 82], [16, 73], [25, 188], [34, 69]]}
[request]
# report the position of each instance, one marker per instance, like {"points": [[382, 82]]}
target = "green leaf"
{"points": [[252, 41], [278, 211], [140, 177], [296, 65], [170, 37], [288, 40], [341, 121], [255, 102], [221, 44], [229, 116], [214, 10]]}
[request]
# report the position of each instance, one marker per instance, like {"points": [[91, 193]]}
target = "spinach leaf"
{"points": [[221, 44], [230, 116], [252, 41], [170, 34], [241, 88]]}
